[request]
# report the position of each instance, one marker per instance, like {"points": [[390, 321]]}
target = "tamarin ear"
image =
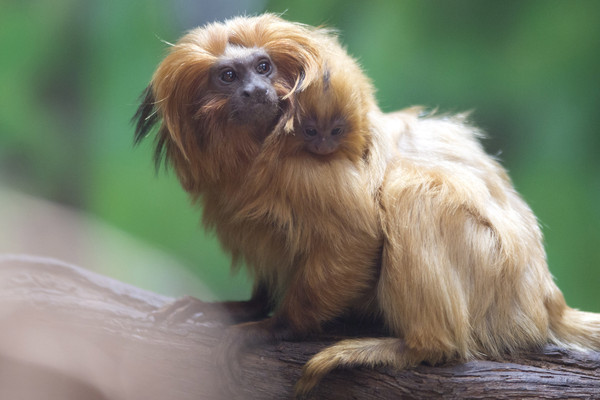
{"points": [[146, 116]]}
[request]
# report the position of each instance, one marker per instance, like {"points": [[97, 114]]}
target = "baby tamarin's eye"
{"points": [[310, 132], [228, 76], [336, 131], [264, 67]]}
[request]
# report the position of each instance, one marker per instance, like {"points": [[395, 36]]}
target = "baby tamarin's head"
{"points": [[223, 88], [332, 113]]}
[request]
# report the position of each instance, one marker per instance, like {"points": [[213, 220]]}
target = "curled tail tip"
{"points": [[314, 371], [347, 353], [304, 387]]}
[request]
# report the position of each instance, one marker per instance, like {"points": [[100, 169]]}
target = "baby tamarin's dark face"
{"points": [[323, 136], [332, 121], [246, 76]]}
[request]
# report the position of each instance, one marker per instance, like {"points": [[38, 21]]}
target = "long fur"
{"points": [[464, 272], [410, 221]]}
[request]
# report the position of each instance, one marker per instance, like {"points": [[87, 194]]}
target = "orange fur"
{"points": [[409, 220]]}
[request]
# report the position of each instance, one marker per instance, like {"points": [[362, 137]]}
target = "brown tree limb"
{"points": [[67, 333]]}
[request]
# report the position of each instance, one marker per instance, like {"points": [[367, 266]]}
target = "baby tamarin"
{"points": [[332, 113], [338, 209]]}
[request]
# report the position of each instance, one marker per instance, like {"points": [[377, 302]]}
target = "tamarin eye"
{"points": [[310, 132], [228, 76], [336, 131], [264, 67]]}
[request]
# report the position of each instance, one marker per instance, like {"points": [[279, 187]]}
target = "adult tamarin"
{"points": [[337, 209]]}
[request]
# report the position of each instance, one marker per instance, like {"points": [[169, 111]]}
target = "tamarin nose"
{"points": [[255, 92], [247, 92]]}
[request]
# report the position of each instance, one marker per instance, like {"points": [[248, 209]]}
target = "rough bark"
{"points": [[67, 333]]}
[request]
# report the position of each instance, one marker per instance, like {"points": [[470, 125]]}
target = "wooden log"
{"points": [[67, 333]]}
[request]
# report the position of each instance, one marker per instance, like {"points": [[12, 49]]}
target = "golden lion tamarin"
{"points": [[337, 209]]}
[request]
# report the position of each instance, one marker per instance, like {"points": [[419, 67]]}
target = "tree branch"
{"points": [[67, 333]]}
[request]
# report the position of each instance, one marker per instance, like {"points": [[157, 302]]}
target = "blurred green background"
{"points": [[71, 72]]}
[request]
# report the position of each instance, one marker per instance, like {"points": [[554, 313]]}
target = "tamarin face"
{"points": [[323, 136], [245, 77]]}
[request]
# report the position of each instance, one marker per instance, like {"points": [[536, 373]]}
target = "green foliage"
{"points": [[71, 72]]}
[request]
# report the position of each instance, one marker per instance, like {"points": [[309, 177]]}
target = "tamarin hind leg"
{"points": [[310, 300]]}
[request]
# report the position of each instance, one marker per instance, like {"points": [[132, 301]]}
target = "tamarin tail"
{"points": [[577, 330], [570, 329], [368, 352]]}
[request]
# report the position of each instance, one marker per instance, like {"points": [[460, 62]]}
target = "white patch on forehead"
{"points": [[239, 52]]}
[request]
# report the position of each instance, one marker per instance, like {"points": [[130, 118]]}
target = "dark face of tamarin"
{"points": [[221, 90], [246, 77]]}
